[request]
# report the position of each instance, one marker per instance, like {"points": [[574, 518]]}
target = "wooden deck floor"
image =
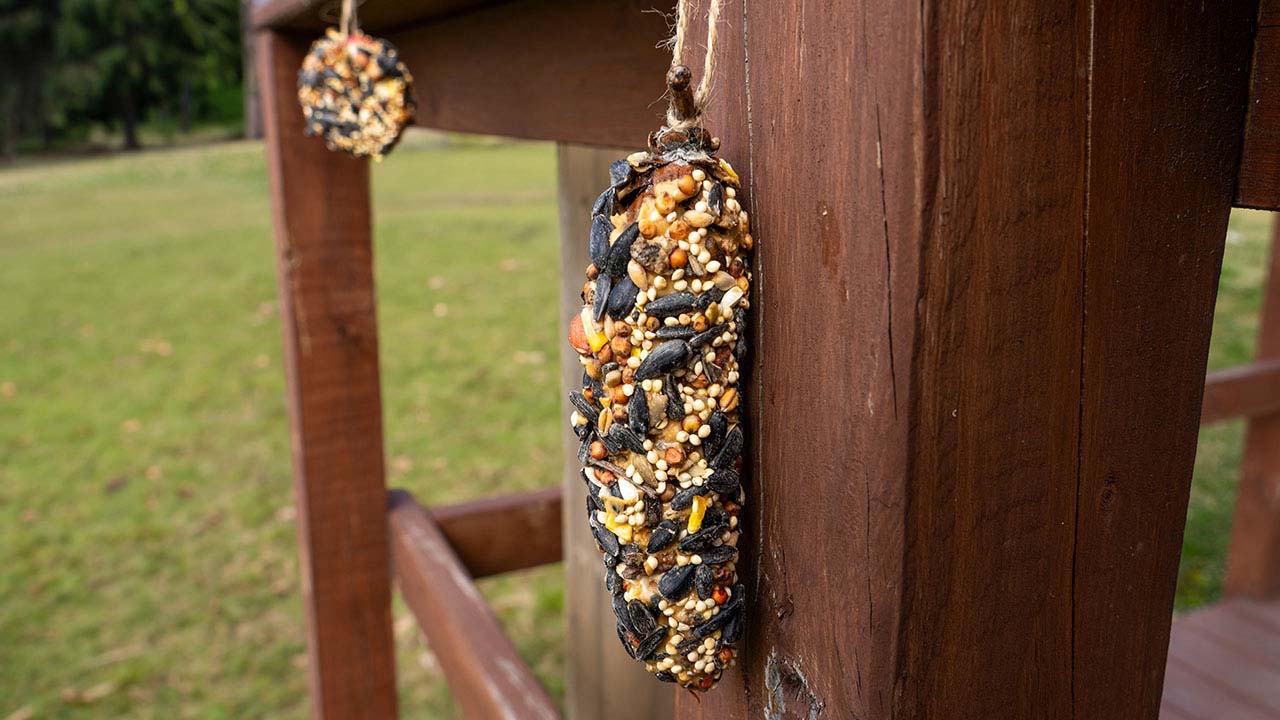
{"points": [[1224, 663]]}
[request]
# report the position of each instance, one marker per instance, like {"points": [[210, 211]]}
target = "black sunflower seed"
{"points": [[622, 298], [719, 554], [604, 284], [619, 173], [663, 359], [675, 404], [627, 438], [616, 263], [704, 581], [585, 407], [675, 582], [648, 647], [726, 482], [641, 618], [732, 448], [638, 414], [662, 536], [675, 332], [598, 241], [604, 205], [669, 305], [719, 426]]}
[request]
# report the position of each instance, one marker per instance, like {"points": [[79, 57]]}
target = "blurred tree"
{"points": [[27, 30], [252, 106], [69, 63]]}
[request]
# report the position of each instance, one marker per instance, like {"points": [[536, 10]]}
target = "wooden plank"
{"points": [[505, 533], [1253, 564], [1191, 695], [485, 674], [1225, 624], [960, 342], [599, 671], [1251, 390], [320, 204], [1251, 683], [1174, 75], [375, 15], [576, 70], [1259, 182], [1264, 615]]}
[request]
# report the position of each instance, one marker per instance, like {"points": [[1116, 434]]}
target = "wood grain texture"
{"points": [[1224, 662], [505, 533], [1253, 564], [599, 670], [1259, 179], [320, 204], [1246, 391], [585, 71], [989, 239], [485, 674], [374, 15], [1174, 75]]}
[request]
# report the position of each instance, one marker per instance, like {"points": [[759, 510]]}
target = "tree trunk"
{"points": [[184, 107], [8, 123], [129, 121], [252, 106]]}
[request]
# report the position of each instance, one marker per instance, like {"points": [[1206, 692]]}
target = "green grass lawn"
{"points": [[146, 525]]}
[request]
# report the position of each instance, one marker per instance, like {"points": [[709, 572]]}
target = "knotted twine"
{"points": [[682, 114]]}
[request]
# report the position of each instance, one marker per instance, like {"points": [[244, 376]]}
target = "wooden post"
{"points": [[324, 260], [1253, 567], [599, 671], [989, 238]]}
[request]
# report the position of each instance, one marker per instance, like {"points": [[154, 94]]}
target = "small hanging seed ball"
{"points": [[355, 93]]}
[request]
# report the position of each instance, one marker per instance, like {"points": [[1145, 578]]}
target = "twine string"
{"points": [[675, 119], [350, 24]]}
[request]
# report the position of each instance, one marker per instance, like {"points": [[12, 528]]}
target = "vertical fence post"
{"points": [[1253, 566], [602, 680], [320, 202], [988, 248]]}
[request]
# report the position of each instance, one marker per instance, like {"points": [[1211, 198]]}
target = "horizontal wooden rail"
{"points": [[375, 15], [1249, 390], [505, 533], [488, 678]]}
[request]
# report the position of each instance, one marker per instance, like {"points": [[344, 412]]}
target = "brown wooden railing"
{"points": [[436, 554], [1251, 390], [1088, 646]]}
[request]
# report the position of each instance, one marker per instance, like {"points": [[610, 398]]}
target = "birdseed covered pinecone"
{"points": [[660, 340]]}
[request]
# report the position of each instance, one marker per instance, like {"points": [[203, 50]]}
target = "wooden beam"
{"points": [[375, 15], [501, 534], [577, 70], [485, 674], [1259, 183], [599, 671], [988, 247], [320, 204], [1253, 565], [1251, 390]]}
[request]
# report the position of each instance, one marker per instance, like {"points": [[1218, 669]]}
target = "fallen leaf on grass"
{"points": [[26, 712], [115, 483], [89, 695]]}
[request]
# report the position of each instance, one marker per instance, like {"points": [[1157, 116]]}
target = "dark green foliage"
{"points": [[118, 63]]}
